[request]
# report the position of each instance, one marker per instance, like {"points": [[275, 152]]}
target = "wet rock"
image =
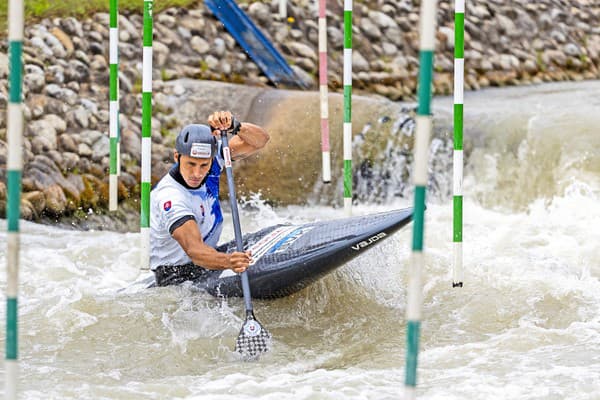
{"points": [[27, 210], [56, 201], [37, 201]]}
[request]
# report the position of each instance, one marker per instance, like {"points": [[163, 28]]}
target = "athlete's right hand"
{"points": [[239, 261]]}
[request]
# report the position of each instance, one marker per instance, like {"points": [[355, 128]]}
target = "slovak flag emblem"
{"points": [[167, 205]]}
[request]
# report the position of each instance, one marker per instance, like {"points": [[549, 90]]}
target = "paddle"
{"points": [[253, 338]]}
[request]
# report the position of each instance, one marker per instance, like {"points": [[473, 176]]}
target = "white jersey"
{"points": [[171, 202]]}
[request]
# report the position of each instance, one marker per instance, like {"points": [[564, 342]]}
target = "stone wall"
{"points": [[66, 75]]}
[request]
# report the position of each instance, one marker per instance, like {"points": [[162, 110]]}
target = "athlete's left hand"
{"points": [[219, 121], [240, 261]]}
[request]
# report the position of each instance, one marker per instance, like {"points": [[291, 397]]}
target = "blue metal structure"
{"points": [[254, 42]]}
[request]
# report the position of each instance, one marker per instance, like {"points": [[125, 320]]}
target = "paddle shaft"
{"points": [[236, 218]]}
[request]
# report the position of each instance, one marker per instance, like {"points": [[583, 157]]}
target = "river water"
{"points": [[525, 326]]}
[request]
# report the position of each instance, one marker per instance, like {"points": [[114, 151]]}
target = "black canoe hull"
{"points": [[288, 258]]}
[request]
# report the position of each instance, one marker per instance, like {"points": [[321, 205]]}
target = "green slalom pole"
{"points": [[459, 76], [348, 106], [421, 151], [114, 105], [14, 168], [146, 136]]}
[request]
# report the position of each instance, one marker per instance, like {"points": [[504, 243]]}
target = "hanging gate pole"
{"points": [[459, 74], [146, 136], [14, 168], [348, 106], [421, 152], [324, 91], [114, 105]]}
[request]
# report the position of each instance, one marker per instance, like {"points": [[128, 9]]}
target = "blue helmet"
{"points": [[196, 141]]}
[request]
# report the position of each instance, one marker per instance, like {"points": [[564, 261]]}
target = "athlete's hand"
{"points": [[222, 121], [239, 261]]}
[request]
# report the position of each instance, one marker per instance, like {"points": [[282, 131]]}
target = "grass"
{"points": [[39, 9]]}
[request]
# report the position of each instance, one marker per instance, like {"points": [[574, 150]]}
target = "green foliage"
{"points": [[38, 9], [203, 66], [137, 85], [171, 123], [164, 132], [540, 62]]}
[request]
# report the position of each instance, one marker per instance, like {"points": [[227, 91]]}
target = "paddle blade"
{"points": [[253, 339]]}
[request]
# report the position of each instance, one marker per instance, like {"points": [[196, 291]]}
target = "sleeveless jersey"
{"points": [[171, 201]]}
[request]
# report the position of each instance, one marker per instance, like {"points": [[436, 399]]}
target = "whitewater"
{"points": [[526, 325]]}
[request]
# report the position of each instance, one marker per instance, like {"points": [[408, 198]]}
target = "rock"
{"points": [[302, 50], [90, 136], [44, 49], [219, 47], [3, 66], [79, 118], [382, 20], [359, 63], [37, 200], [260, 12], [160, 53], [167, 20], [199, 45], [56, 201], [370, 29], [55, 122], [84, 150], [27, 210], [571, 49], [303, 75], [89, 105], [71, 26], [335, 37], [77, 71], [554, 57], [67, 143], [40, 128], [34, 82], [64, 40], [100, 148], [41, 145], [55, 74], [131, 144]]}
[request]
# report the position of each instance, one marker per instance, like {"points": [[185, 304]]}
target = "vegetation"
{"points": [[39, 9]]}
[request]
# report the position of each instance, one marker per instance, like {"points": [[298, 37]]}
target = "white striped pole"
{"points": [[146, 136], [283, 9], [348, 106], [421, 151], [14, 168], [459, 75], [114, 105], [324, 91]]}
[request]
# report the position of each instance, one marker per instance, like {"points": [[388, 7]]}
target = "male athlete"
{"points": [[185, 214]]}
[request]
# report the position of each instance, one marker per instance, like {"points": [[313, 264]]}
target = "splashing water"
{"points": [[525, 326]]}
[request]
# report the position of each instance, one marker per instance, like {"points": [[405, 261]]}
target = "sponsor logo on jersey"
{"points": [[167, 205]]}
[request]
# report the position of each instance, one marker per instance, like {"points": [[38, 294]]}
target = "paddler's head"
{"points": [[195, 148]]}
